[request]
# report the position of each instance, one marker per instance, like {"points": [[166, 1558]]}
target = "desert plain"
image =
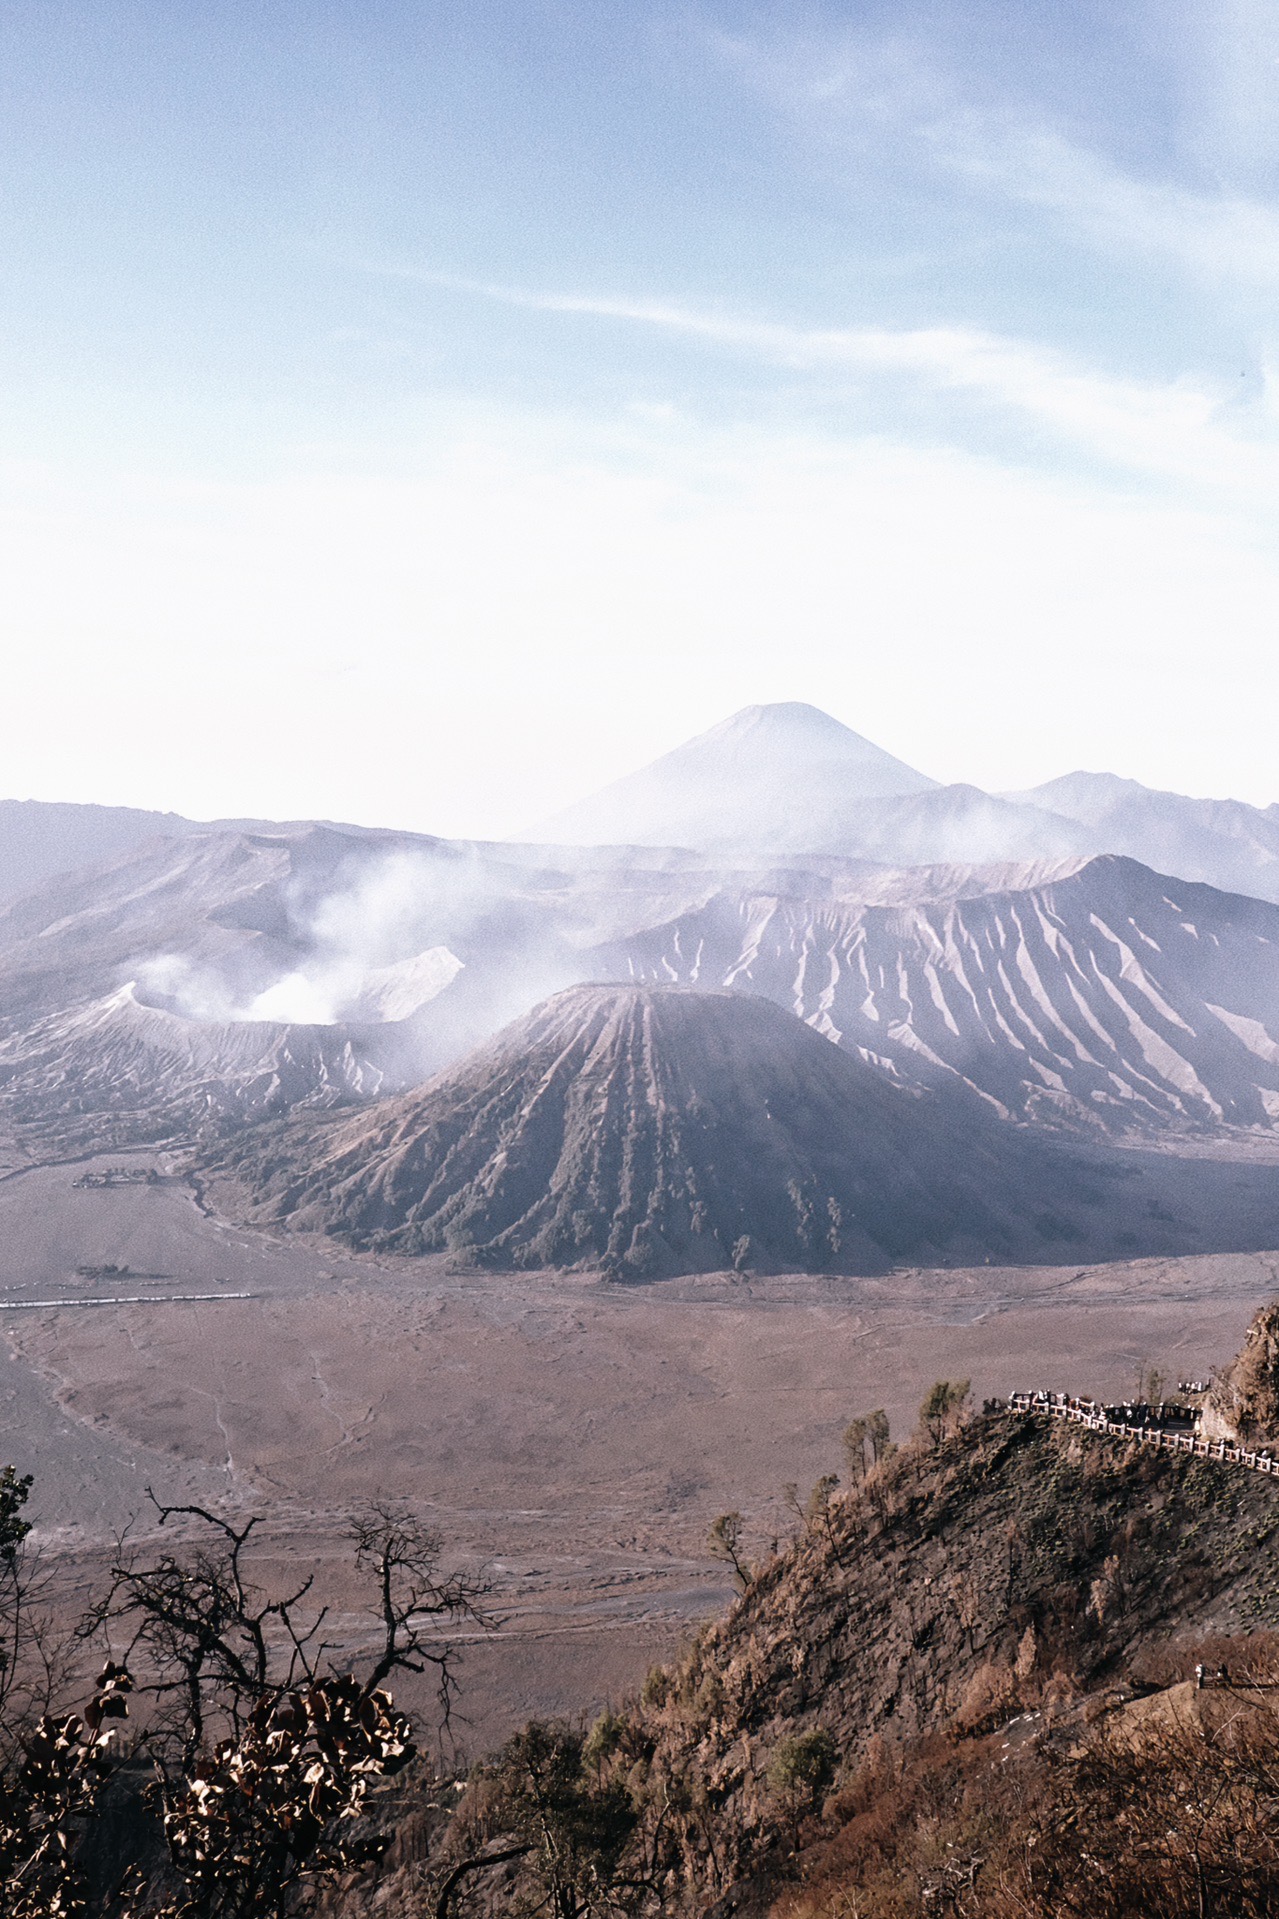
{"points": [[570, 1439]]}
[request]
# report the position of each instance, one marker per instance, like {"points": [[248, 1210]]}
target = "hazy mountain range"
{"points": [[775, 782], [236, 975], [788, 779], [190, 976]]}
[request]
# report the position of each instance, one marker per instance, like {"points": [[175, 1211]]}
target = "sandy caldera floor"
{"points": [[573, 1439]]}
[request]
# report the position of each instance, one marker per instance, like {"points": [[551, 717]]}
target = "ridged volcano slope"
{"points": [[1104, 997], [118, 1069], [654, 1131]]}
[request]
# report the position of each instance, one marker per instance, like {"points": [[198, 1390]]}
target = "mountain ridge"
{"points": [[646, 1131], [774, 786], [1087, 994], [1089, 999], [654, 1130]]}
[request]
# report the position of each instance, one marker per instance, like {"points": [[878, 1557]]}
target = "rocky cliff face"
{"points": [[1244, 1401]]}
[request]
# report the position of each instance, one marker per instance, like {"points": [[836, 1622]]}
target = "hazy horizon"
{"points": [[528, 830], [421, 419]]}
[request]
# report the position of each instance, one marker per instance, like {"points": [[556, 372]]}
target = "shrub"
{"points": [[803, 1766]]}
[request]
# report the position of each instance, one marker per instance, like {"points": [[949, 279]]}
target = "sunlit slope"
{"points": [[1109, 996]]}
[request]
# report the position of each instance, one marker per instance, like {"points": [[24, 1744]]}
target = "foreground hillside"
{"points": [[967, 1685], [1015, 1559], [925, 1692]]}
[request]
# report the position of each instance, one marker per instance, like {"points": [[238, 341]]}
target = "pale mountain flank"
{"points": [[1223, 842], [1103, 996], [761, 778]]}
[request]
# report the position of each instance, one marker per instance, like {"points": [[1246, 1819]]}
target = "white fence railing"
{"points": [[1098, 1419]]}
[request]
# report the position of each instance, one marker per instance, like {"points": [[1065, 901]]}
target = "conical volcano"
{"points": [[780, 777], [652, 1131]]}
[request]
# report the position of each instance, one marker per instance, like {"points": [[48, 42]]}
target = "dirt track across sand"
{"points": [[574, 1437]]}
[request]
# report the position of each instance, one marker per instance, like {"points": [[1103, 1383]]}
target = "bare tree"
{"points": [[13, 1588], [205, 1642], [47, 1795], [866, 1442], [855, 1439], [723, 1539], [942, 1408], [265, 1821], [264, 1753], [415, 1598], [817, 1513]]}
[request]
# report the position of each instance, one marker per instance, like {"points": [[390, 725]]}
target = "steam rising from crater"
{"points": [[377, 944], [362, 952]]}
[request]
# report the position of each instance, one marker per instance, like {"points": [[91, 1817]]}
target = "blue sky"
{"points": [[419, 414]]}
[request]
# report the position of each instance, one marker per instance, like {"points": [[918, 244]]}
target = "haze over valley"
{"points": [[952, 941], [577, 1185]]}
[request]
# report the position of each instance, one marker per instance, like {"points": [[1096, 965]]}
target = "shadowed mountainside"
{"points": [[924, 1664], [651, 1131], [657, 1131], [951, 1592]]}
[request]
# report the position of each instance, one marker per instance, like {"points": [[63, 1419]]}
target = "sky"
{"points": [[419, 414]]}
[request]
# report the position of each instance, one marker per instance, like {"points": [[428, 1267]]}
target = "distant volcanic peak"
{"points": [[793, 727], [1090, 793], [768, 776], [1223, 842]]}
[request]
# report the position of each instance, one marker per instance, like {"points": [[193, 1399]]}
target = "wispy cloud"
{"points": [[1182, 431], [862, 88], [1218, 236]]}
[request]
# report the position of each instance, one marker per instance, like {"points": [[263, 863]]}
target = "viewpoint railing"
{"points": [[1100, 1419]]}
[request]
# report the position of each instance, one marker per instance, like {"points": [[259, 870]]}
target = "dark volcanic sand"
{"points": [[575, 1436]]}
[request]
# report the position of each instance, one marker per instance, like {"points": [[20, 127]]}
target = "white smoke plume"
{"points": [[447, 940]]}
